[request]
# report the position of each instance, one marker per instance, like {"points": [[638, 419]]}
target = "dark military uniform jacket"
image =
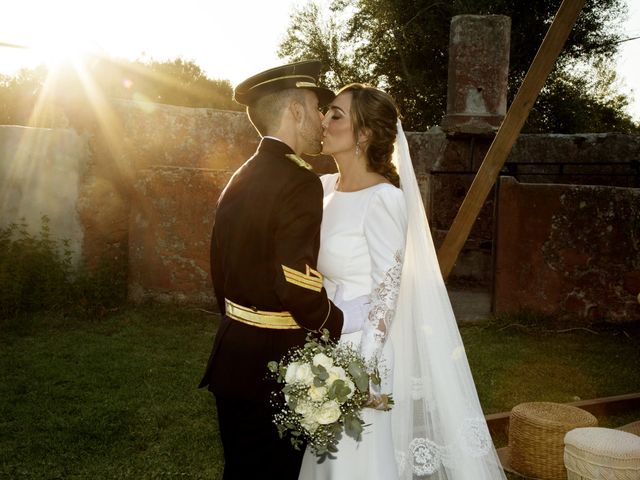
{"points": [[264, 251]]}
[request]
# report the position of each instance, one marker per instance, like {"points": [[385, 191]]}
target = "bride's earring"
{"points": [[357, 150]]}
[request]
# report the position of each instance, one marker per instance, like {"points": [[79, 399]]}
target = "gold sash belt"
{"points": [[259, 318]]}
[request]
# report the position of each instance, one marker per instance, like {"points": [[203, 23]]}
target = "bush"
{"points": [[37, 273]]}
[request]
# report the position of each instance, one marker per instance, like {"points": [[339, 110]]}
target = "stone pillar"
{"points": [[478, 73]]}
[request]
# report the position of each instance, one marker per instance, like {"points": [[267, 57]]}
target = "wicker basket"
{"points": [[536, 437], [633, 427], [595, 453]]}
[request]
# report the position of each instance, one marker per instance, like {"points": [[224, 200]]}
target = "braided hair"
{"points": [[374, 111]]}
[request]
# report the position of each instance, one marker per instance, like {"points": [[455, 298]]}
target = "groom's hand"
{"points": [[354, 311]]}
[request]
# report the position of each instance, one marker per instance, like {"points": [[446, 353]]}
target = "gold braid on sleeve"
{"points": [[327, 317]]}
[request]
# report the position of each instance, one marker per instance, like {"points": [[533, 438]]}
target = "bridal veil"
{"points": [[439, 429]]}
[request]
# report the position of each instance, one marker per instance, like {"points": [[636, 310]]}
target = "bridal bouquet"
{"points": [[326, 386]]}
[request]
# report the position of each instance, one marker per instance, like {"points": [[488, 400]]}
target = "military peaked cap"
{"points": [[294, 75]]}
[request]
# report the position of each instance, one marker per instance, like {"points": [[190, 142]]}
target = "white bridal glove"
{"points": [[354, 311]]}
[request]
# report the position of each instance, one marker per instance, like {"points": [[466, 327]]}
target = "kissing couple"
{"points": [[349, 252]]}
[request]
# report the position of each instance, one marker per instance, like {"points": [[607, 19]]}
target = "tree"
{"points": [[37, 97], [175, 82], [575, 100], [19, 100], [312, 35], [402, 46]]}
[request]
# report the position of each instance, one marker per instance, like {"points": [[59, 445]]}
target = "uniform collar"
{"points": [[274, 145], [278, 147]]}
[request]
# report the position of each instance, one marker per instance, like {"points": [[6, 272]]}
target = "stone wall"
{"points": [[126, 138], [40, 174], [156, 174], [451, 161], [568, 250], [611, 159], [169, 231], [141, 182]]}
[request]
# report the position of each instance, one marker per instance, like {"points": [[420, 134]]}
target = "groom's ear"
{"points": [[297, 109]]}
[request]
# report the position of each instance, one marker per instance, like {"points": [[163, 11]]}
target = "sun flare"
{"points": [[61, 52]]}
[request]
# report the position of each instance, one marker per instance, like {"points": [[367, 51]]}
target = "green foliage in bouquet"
{"points": [[326, 386]]}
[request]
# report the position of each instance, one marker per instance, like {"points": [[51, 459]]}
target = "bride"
{"points": [[376, 244]]}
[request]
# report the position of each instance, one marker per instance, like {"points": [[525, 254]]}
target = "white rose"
{"points": [[322, 359], [317, 393], [336, 373], [290, 375], [304, 374], [351, 386], [308, 413], [304, 408], [328, 413], [339, 371], [309, 424]]}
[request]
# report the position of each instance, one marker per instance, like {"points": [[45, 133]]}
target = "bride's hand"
{"points": [[355, 311], [382, 402]]}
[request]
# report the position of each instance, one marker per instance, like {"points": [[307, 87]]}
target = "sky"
{"points": [[229, 39]]}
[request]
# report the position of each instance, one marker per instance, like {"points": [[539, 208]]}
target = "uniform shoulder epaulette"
{"points": [[298, 161]]}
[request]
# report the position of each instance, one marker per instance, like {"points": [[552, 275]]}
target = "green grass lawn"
{"points": [[116, 397], [514, 363]]}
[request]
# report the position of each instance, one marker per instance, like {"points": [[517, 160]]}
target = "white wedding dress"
{"points": [[377, 242], [362, 245]]}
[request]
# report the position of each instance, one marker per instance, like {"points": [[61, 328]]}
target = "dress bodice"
{"points": [[361, 232]]}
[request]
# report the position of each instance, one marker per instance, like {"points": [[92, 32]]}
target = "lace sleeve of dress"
{"points": [[385, 230], [382, 310]]}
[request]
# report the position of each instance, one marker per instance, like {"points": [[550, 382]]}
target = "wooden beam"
{"points": [[508, 132]]}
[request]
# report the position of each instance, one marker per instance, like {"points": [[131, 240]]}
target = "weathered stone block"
{"points": [[568, 250], [172, 212], [611, 159], [156, 134]]}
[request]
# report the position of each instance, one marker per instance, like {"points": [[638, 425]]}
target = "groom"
{"points": [[264, 250]]}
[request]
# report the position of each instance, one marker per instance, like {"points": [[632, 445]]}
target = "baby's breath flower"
{"points": [[325, 389]]}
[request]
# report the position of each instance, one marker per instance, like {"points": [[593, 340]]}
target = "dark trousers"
{"points": [[252, 447]]}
